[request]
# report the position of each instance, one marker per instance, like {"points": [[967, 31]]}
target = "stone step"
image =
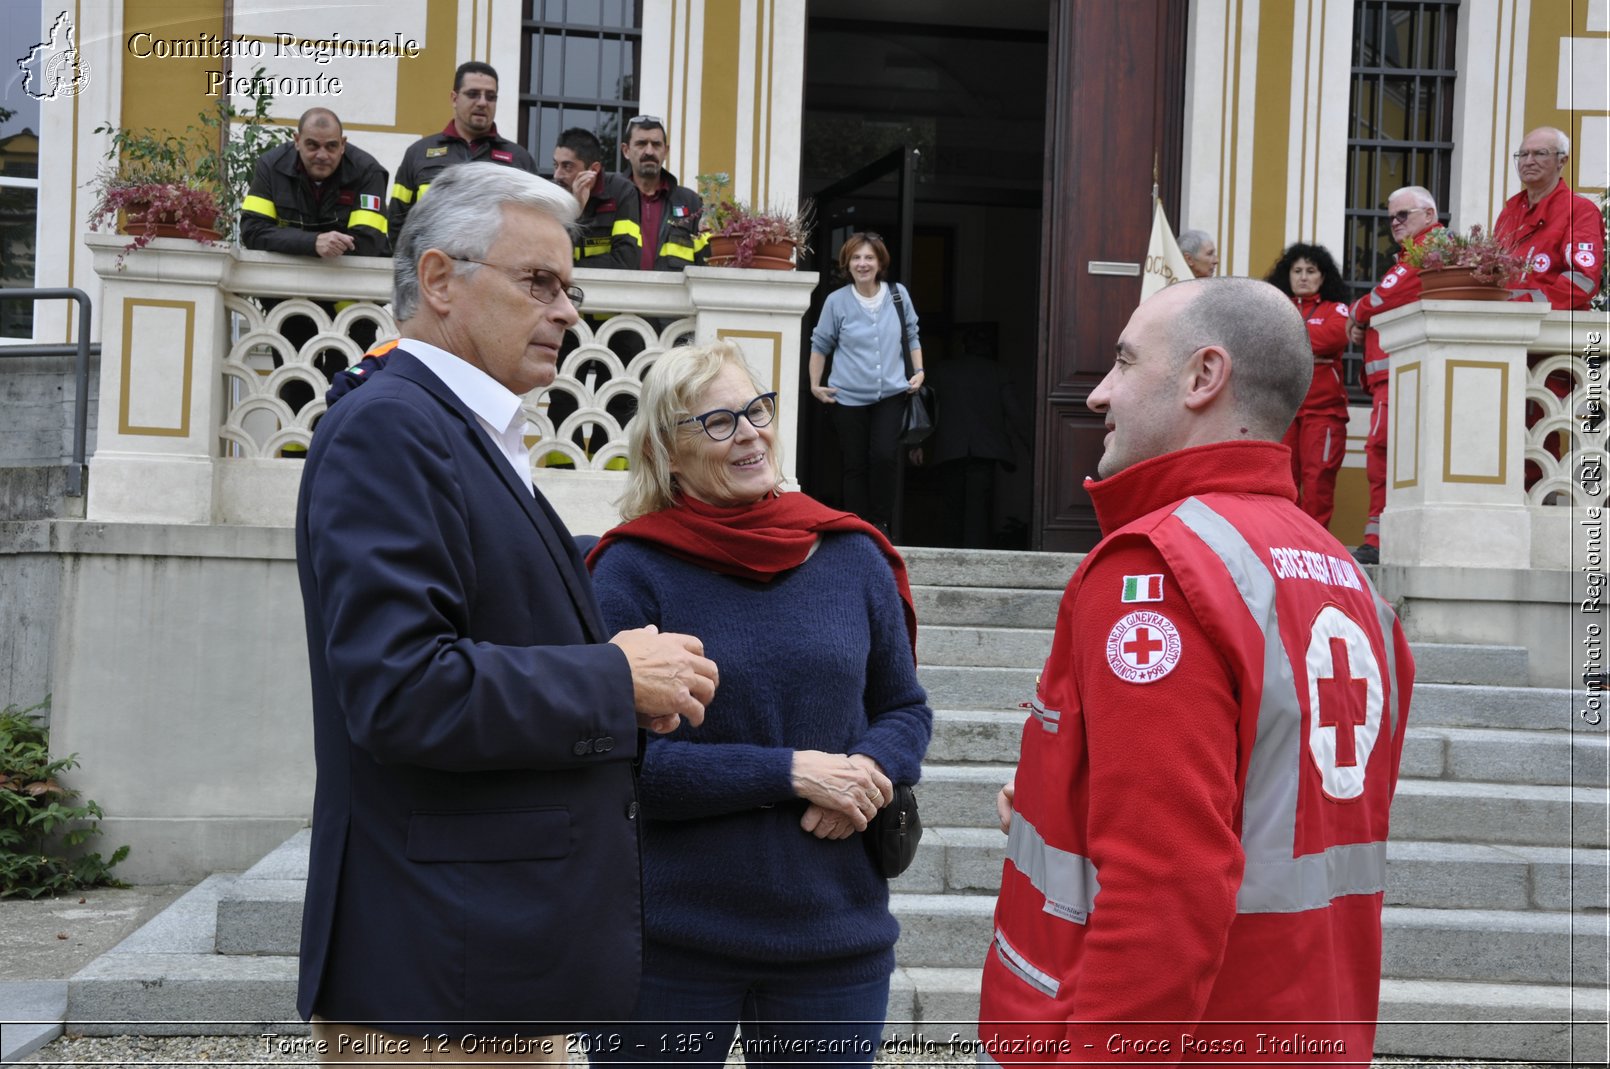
{"points": [[1493, 756], [1492, 666], [985, 607], [963, 796], [261, 912], [955, 687], [953, 931], [990, 568], [989, 647], [1521, 708], [1419, 1018], [1477, 755], [1432, 875], [167, 978]]}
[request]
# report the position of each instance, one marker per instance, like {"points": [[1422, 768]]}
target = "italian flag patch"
{"points": [[1143, 588], [368, 202]]}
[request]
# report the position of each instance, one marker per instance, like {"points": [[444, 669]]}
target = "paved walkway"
{"points": [[43, 942]]}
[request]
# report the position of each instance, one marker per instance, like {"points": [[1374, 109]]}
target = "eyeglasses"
{"points": [[645, 120], [722, 423], [488, 95], [1403, 216], [1537, 154], [545, 285]]}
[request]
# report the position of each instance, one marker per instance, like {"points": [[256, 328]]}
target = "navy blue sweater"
{"points": [[817, 659]]}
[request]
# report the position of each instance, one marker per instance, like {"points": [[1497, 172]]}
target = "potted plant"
{"points": [[1465, 267], [741, 236], [187, 185]]}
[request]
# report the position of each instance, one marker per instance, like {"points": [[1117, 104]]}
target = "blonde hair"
{"points": [[671, 389]]}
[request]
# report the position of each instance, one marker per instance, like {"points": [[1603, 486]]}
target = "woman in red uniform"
{"points": [[1318, 436]]}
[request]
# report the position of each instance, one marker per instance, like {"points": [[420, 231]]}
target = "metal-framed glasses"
{"points": [[545, 285], [722, 423], [1537, 153]]}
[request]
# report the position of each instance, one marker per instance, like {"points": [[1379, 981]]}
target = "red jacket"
{"points": [[1563, 236], [1197, 836], [1399, 287], [1327, 336]]}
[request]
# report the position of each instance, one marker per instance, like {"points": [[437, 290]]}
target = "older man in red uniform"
{"points": [[1560, 233], [1197, 827], [1412, 213]]}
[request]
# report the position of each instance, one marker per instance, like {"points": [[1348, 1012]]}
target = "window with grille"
{"points": [[579, 66], [1400, 125]]}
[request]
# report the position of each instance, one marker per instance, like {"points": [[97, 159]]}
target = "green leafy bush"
{"points": [[42, 828]]}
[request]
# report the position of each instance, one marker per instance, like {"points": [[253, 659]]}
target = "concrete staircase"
{"points": [[1495, 920]]}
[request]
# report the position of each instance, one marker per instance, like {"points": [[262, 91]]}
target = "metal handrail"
{"points": [[75, 472]]}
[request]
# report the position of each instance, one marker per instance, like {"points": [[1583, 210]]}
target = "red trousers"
{"points": [[1317, 441], [1375, 463]]}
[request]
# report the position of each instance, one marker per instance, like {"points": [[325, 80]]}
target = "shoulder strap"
{"points": [[905, 339]]}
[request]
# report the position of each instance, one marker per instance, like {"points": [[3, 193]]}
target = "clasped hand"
{"points": [[845, 792], [671, 677]]}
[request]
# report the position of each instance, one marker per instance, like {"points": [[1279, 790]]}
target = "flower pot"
{"points": [[138, 220], [774, 256], [1457, 284], [723, 251]]}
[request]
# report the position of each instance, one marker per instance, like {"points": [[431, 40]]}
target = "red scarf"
{"points": [[757, 541]]}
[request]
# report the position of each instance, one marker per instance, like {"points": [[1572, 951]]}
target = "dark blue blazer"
{"points": [[475, 844]]}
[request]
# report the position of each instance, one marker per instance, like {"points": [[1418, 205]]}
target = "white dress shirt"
{"points": [[495, 406]]}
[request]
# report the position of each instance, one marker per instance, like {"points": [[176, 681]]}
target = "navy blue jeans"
{"points": [[691, 1021]]}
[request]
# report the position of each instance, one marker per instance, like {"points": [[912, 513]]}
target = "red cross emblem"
{"points": [[1143, 647], [1342, 702]]}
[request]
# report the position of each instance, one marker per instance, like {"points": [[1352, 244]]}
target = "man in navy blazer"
{"points": [[474, 869]]}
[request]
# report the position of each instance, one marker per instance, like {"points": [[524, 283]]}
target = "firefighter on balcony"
{"points": [[318, 196], [658, 218], [1196, 843], [472, 134]]}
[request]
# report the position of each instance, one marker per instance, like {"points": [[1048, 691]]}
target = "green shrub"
{"points": [[42, 828]]}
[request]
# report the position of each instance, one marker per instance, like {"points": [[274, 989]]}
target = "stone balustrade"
{"points": [[1490, 450], [218, 359]]}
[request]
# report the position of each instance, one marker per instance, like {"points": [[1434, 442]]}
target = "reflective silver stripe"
{"points": [[1534, 296], [1372, 366], [1274, 881], [1581, 281], [1324, 454], [1067, 880], [1389, 622], [1050, 719], [1375, 300], [1042, 982], [1373, 526], [1293, 885]]}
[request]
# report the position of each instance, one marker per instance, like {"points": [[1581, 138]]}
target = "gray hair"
{"points": [[1562, 143], [462, 217], [1421, 195], [1191, 242], [671, 389], [1272, 360]]}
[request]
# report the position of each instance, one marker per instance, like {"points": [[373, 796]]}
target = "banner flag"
{"points": [[1165, 264]]}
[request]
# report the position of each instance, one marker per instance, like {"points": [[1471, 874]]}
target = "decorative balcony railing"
{"points": [[218, 361]]}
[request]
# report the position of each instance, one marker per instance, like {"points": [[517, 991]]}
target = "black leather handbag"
{"points": [[917, 421], [893, 834]]}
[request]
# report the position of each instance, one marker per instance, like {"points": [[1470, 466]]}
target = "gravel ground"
{"points": [[114, 1051]]}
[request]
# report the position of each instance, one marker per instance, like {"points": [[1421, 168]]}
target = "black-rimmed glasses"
{"points": [[545, 285], [722, 423], [1403, 216]]}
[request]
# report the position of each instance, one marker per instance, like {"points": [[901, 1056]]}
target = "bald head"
{"points": [[1264, 334], [320, 143], [1211, 360]]}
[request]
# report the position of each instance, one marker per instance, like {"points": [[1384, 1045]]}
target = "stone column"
{"points": [[762, 312], [164, 330], [1456, 437]]}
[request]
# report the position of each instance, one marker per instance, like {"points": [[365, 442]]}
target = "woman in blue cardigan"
{"points": [[861, 329], [762, 909]]}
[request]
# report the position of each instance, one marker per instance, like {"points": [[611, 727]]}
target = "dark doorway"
{"points": [[964, 87]]}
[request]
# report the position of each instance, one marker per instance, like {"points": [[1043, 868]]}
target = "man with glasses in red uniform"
{"points": [[1197, 826], [1560, 233], [1412, 213]]}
